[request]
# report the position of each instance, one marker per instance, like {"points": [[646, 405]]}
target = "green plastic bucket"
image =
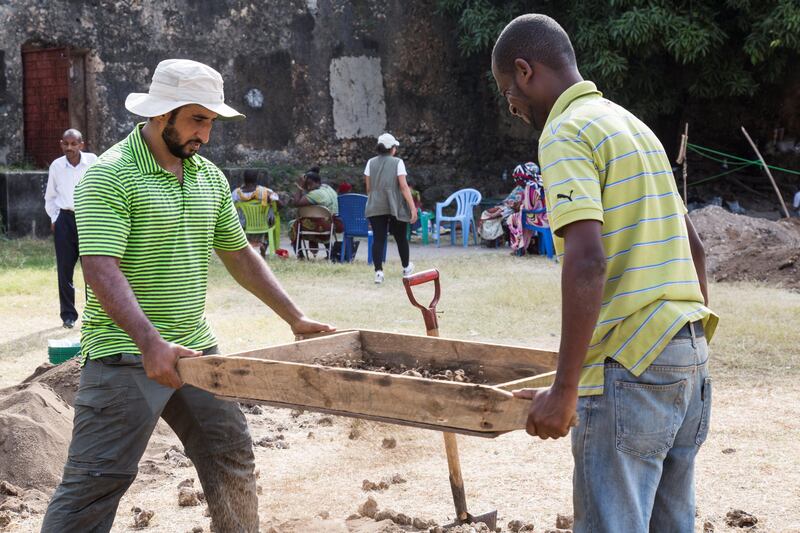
{"points": [[61, 350]]}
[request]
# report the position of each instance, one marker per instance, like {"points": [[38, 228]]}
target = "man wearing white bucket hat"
{"points": [[149, 212]]}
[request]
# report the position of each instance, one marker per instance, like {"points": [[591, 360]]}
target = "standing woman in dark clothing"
{"points": [[390, 205]]}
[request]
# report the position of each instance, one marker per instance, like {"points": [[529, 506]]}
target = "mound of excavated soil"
{"points": [[63, 378], [35, 430], [742, 248]]}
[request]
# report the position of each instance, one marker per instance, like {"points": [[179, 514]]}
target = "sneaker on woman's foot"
{"points": [[407, 271], [379, 276]]}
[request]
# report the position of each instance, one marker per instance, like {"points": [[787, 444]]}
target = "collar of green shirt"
{"points": [[144, 159], [582, 88]]}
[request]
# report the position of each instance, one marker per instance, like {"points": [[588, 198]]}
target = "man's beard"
{"points": [[171, 139]]}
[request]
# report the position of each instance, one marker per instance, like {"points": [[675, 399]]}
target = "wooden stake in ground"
{"points": [[681, 160], [766, 168], [685, 169]]}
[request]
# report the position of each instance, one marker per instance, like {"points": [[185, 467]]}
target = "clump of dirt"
{"points": [[739, 518], [175, 457], [383, 484], [19, 503], [270, 441], [378, 486], [188, 482], [425, 370], [369, 509], [742, 248], [251, 408], [564, 521], [516, 526], [63, 378], [141, 517], [35, 430], [187, 497]]}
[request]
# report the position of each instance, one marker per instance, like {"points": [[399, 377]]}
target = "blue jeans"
{"points": [[635, 446]]}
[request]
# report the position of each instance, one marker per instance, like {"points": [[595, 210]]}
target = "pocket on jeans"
{"points": [[705, 418], [100, 419], [647, 416]]}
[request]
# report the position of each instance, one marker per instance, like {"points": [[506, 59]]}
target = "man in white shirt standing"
{"points": [[65, 173]]}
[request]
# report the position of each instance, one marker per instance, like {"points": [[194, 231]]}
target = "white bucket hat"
{"points": [[388, 141], [179, 82]]}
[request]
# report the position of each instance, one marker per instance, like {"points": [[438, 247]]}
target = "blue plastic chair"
{"points": [[546, 245], [351, 211], [466, 200]]}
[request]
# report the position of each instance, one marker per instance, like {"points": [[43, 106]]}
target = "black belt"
{"points": [[686, 330], [67, 211]]}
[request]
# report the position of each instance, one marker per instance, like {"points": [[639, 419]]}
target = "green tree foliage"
{"points": [[653, 56]]}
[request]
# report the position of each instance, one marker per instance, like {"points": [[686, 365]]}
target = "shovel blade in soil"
{"points": [[490, 519]]}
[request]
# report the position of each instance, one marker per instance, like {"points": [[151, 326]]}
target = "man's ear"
{"points": [[523, 71]]}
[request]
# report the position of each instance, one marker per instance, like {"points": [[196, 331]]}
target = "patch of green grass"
{"points": [[26, 254], [19, 167]]}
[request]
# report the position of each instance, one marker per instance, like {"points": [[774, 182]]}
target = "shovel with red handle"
{"points": [[450, 443]]}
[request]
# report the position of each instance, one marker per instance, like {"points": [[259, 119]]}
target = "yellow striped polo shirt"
{"points": [[600, 162]]}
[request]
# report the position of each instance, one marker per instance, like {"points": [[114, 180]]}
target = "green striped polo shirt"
{"points": [[127, 206], [600, 162]]}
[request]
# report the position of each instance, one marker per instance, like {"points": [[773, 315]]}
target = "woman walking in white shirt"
{"points": [[390, 206]]}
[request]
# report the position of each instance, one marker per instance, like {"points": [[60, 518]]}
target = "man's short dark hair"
{"points": [[250, 176], [534, 38]]}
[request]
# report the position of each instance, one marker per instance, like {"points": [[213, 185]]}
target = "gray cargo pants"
{"points": [[116, 410]]}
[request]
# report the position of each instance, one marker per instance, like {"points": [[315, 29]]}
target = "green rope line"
{"points": [[740, 167], [703, 151]]}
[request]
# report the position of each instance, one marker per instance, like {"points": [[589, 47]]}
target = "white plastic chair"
{"points": [[466, 200], [302, 244]]}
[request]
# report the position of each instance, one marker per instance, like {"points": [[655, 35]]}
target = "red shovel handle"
{"points": [[429, 313], [421, 277], [418, 279]]}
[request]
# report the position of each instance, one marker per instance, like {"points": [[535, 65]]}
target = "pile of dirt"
{"points": [[35, 430], [742, 248], [63, 378]]}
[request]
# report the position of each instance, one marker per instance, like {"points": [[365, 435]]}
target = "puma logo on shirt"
{"points": [[566, 196]]}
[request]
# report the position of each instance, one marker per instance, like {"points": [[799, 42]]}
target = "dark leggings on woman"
{"points": [[398, 229]]}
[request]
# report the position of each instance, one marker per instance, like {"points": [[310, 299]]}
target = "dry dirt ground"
{"points": [[312, 466]]}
